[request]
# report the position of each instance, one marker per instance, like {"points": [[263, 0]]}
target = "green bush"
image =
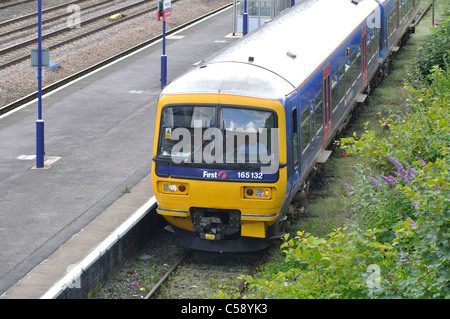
{"points": [[435, 52], [411, 186], [397, 243]]}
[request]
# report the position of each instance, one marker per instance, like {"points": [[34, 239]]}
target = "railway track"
{"points": [[11, 4], [25, 99], [26, 25], [33, 15], [165, 270], [20, 52], [201, 269]]}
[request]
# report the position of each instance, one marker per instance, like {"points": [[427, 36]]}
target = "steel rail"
{"points": [[34, 14], [56, 32], [422, 14], [29, 26], [258, 263], [163, 279], [101, 64], [15, 4]]}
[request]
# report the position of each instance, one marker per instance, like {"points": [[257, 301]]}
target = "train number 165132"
{"points": [[250, 175]]}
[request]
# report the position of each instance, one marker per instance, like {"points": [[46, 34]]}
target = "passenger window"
{"points": [[348, 77], [319, 111], [358, 62], [341, 82], [305, 128], [354, 69], [334, 91]]}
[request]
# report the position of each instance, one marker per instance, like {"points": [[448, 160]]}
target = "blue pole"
{"points": [[292, 3], [40, 122], [164, 57], [245, 19]]}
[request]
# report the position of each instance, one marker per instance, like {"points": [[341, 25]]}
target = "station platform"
{"points": [[98, 142]]}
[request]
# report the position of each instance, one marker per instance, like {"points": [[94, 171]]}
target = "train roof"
{"points": [[277, 58]]}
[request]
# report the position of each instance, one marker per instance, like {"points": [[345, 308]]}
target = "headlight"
{"points": [[258, 193], [173, 188]]}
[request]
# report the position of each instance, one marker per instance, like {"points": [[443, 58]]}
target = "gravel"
{"points": [[202, 275], [18, 80]]}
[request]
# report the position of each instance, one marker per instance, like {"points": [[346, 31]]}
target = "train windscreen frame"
{"points": [[218, 135]]}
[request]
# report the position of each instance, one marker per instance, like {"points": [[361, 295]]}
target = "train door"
{"points": [[364, 54], [326, 97]]}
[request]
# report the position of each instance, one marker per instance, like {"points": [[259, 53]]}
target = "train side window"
{"points": [[358, 62], [313, 118], [375, 43], [353, 67], [348, 78], [319, 111], [295, 137], [391, 22], [341, 82], [305, 128], [334, 91]]}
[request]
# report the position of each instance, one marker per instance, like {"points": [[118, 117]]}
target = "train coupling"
{"points": [[215, 224]]}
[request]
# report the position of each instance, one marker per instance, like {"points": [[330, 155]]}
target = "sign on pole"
{"points": [[164, 8], [45, 58]]}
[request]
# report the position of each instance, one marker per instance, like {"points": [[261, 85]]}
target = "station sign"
{"points": [[45, 58], [164, 8]]}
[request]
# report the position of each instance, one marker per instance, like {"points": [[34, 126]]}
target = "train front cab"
{"points": [[219, 203]]}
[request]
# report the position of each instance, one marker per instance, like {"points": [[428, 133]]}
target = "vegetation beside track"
{"points": [[380, 228]]}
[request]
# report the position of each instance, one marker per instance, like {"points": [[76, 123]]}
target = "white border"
{"points": [[73, 276]]}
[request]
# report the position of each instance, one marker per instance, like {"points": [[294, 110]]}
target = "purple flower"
{"points": [[404, 261], [410, 174], [349, 187], [401, 170], [411, 222], [374, 181], [421, 160], [390, 180]]}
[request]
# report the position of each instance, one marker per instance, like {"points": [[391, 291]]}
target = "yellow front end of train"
{"points": [[218, 200]]}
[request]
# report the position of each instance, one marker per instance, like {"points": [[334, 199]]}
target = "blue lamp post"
{"points": [[164, 10], [40, 122], [164, 57], [245, 19]]}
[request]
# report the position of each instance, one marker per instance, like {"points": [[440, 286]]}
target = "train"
{"points": [[238, 136]]}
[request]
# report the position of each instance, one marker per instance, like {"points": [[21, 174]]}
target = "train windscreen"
{"points": [[217, 134]]}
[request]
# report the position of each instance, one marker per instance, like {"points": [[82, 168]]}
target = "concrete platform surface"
{"points": [[98, 141]]}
